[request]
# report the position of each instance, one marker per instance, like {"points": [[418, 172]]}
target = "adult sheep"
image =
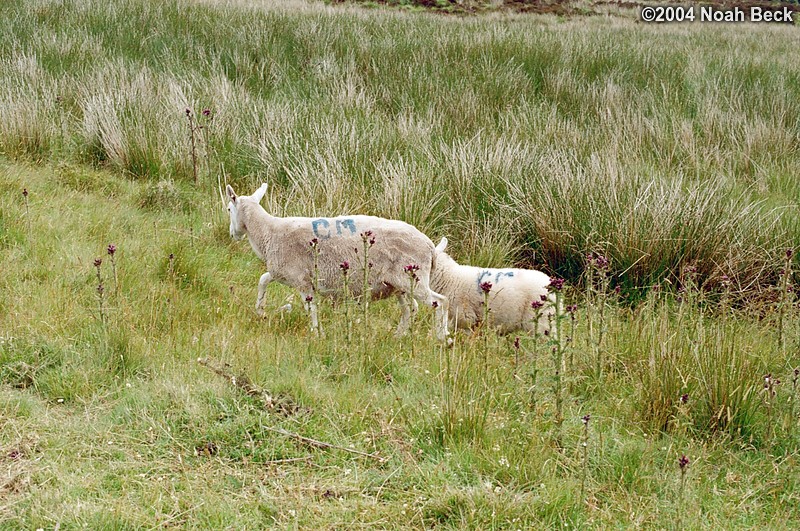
{"points": [[401, 257], [515, 296]]}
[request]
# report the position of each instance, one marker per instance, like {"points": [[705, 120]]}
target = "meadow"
{"points": [[669, 400]]}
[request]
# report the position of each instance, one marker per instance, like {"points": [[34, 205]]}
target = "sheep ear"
{"points": [[442, 245], [258, 195], [231, 193]]}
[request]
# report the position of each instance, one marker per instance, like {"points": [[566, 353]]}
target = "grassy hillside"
{"points": [[672, 150]]}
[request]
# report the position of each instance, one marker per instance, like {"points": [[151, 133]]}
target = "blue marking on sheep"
{"points": [[501, 274], [346, 223], [322, 230], [325, 224]]}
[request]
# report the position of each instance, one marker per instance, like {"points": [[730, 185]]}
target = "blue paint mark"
{"points": [[347, 223], [501, 274], [483, 275], [325, 224], [323, 231]]}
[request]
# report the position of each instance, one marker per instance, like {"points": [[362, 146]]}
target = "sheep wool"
{"points": [[400, 257], [510, 297]]}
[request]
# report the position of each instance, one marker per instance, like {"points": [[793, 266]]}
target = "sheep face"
{"points": [[238, 230]]}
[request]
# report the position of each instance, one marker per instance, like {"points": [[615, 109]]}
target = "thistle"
{"points": [[585, 445], [557, 285], [192, 141], [683, 465], [112, 250], [411, 271], [368, 240], [344, 267], [98, 262], [27, 211]]}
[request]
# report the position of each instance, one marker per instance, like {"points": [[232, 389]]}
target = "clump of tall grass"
{"points": [[501, 140]]}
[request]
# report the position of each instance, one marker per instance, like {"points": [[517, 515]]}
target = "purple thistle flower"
{"points": [[586, 419], [188, 111], [789, 253], [516, 342], [207, 112], [556, 284], [100, 289], [537, 305], [543, 298], [112, 249], [435, 304], [617, 289], [98, 262], [344, 266], [684, 398], [572, 308], [486, 287], [313, 242], [309, 298], [601, 262], [683, 462], [25, 192], [411, 268]]}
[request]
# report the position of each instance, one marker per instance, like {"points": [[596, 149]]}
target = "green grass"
{"points": [[526, 139], [102, 423]]}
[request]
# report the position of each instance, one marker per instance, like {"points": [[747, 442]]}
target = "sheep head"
{"points": [[238, 230]]}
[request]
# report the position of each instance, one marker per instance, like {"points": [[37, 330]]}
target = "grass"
{"points": [[525, 139]]}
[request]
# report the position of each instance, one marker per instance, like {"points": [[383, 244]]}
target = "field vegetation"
{"points": [[653, 167]]}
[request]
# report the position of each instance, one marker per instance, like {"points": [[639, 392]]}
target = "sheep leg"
{"points": [[265, 279], [311, 307], [440, 305], [408, 306]]}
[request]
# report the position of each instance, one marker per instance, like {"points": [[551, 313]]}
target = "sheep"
{"points": [[512, 297], [290, 247]]}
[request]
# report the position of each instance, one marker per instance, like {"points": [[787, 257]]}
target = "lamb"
{"points": [[512, 298], [290, 247]]}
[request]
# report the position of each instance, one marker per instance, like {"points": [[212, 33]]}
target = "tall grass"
{"points": [[527, 139], [675, 144]]}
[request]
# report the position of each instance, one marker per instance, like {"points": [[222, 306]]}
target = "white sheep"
{"points": [[511, 297], [289, 247]]}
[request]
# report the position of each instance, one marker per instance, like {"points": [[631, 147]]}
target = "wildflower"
{"points": [[100, 289], [344, 266], [537, 305], [309, 298], [98, 262], [685, 398], [486, 287], [207, 113], [789, 253], [586, 419], [601, 262], [435, 304], [112, 249], [411, 268], [571, 309], [188, 111], [683, 462], [516, 342], [690, 270], [313, 242], [25, 192], [617, 289], [556, 284]]}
